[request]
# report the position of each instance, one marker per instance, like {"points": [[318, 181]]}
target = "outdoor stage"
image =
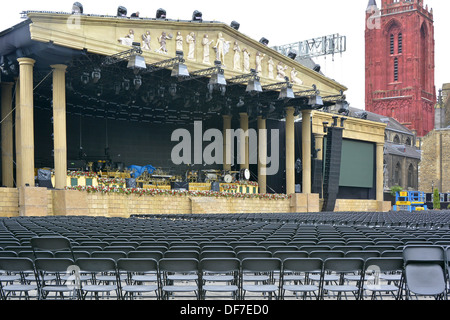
{"points": [[100, 92]]}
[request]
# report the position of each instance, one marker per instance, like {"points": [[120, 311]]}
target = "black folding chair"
{"points": [[220, 275], [295, 277], [425, 271], [13, 277], [63, 278], [142, 278], [342, 267], [179, 276], [99, 268], [258, 276]]}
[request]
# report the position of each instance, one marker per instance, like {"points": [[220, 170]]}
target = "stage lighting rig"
{"points": [[285, 87], [253, 85], [216, 74], [134, 56], [179, 68]]}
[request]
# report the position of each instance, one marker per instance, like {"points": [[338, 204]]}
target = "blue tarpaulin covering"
{"points": [[137, 171]]}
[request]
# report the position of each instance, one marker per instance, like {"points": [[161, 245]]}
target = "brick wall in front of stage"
{"points": [[116, 205], [41, 202], [9, 202]]}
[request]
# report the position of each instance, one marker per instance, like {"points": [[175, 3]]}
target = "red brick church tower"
{"points": [[400, 62]]}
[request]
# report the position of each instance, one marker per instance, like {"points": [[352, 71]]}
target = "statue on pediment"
{"points": [[163, 42], [206, 44], [271, 66], [190, 39], [281, 71], [128, 39], [179, 41], [222, 47], [146, 38], [259, 58], [294, 77], [246, 60], [237, 57]]}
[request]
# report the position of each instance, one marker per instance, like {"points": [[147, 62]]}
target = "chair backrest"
{"points": [[96, 264], [137, 265], [34, 255], [290, 254], [365, 254], [303, 264], [217, 254], [178, 265], [68, 254], [125, 249], [344, 264], [253, 254], [53, 264], [385, 264], [325, 254], [314, 248], [115, 255], [16, 264], [8, 254], [421, 253], [220, 265], [156, 255], [181, 254], [261, 264], [51, 243]]}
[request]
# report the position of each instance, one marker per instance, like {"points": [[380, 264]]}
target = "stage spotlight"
{"points": [[126, 84], [173, 89], [96, 75], [317, 68], [136, 62], [315, 101], [292, 54], [254, 86], [160, 13], [342, 107], [197, 16], [77, 8], [137, 82], [180, 69], [286, 93], [85, 78], [121, 11], [235, 25], [264, 41], [117, 88]]}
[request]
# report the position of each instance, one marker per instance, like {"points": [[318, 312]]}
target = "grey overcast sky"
{"points": [[280, 21]]}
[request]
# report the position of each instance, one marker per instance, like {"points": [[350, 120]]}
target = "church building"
{"points": [[400, 83]]}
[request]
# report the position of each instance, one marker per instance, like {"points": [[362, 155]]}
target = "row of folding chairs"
{"points": [[422, 271], [186, 278]]}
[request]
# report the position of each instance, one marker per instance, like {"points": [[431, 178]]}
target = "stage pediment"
{"points": [[201, 43]]}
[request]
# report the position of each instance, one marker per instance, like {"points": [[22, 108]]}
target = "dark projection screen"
{"points": [[357, 164]]}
